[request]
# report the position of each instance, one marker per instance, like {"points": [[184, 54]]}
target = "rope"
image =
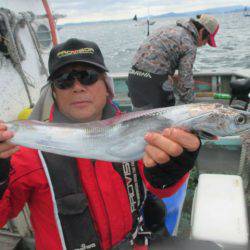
{"points": [[35, 40], [13, 50], [21, 50], [14, 27], [244, 165]]}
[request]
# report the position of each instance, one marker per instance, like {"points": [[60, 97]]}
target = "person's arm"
{"points": [[168, 159], [13, 193], [6, 150], [185, 85]]}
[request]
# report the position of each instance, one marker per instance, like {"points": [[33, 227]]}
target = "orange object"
{"points": [[204, 94], [51, 21]]}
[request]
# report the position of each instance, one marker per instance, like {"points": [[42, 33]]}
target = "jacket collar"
{"points": [[189, 26]]}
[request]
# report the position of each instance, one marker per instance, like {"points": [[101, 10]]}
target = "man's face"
{"points": [[81, 103], [201, 41]]}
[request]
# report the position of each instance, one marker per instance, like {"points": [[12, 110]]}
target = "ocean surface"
{"points": [[119, 41]]}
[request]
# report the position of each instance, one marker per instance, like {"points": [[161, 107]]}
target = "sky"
{"points": [[97, 10]]}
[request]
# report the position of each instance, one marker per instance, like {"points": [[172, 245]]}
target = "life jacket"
{"points": [[73, 217]]}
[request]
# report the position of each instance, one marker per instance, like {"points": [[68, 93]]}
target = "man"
{"points": [[165, 51], [85, 203]]}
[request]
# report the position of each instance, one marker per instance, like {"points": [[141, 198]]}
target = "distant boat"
{"points": [[145, 22], [151, 22], [246, 12], [135, 18]]}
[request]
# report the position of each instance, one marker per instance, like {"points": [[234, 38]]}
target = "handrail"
{"points": [[51, 21]]}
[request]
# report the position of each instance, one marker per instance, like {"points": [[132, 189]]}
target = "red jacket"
{"points": [[103, 186]]}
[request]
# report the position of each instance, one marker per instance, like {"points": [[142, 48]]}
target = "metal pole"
{"points": [[148, 27]]}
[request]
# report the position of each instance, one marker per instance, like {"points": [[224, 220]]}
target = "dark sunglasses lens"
{"points": [[64, 81], [88, 77], [67, 80]]}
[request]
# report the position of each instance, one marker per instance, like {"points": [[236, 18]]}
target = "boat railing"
{"points": [[207, 85]]}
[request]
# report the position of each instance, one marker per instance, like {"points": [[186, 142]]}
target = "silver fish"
{"points": [[121, 138]]}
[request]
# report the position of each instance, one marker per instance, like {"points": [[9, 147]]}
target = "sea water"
{"points": [[119, 41]]}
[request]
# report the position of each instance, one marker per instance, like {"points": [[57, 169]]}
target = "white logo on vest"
{"points": [[85, 247]]}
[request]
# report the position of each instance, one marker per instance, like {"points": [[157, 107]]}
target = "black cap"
{"points": [[75, 50]]}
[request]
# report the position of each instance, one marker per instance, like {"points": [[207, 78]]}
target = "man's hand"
{"points": [[6, 149], [170, 143], [175, 78]]}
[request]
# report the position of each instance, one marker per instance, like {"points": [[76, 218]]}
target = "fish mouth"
{"points": [[205, 135], [244, 131]]}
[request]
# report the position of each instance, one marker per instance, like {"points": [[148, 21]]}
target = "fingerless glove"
{"points": [[165, 175]]}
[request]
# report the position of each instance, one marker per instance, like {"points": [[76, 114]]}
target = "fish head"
{"points": [[237, 122], [224, 121]]}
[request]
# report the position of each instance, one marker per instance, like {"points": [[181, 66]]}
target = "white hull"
{"points": [[13, 95]]}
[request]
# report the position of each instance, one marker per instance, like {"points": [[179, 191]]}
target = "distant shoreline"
{"points": [[220, 10]]}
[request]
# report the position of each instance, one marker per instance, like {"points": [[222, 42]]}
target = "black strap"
{"points": [[72, 204], [5, 169]]}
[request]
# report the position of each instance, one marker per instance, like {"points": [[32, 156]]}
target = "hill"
{"points": [[220, 10]]}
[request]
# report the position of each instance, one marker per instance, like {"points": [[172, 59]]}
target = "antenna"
{"points": [[148, 22]]}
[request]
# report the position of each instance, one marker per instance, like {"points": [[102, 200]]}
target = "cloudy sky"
{"points": [[95, 10]]}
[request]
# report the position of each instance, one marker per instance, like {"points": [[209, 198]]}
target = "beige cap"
{"points": [[210, 24]]}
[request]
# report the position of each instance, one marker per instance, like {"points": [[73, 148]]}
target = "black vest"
{"points": [[71, 207], [75, 224]]}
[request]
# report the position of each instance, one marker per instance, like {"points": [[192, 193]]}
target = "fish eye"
{"points": [[240, 120]]}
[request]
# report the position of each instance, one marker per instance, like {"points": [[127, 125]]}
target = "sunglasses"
{"points": [[67, 80]]}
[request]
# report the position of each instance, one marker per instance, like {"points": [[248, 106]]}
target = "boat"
{"points": [[144, 22], [246, 12], [151, 22], [25, 57], [208, 86], [135, 18], [27, 35]]}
